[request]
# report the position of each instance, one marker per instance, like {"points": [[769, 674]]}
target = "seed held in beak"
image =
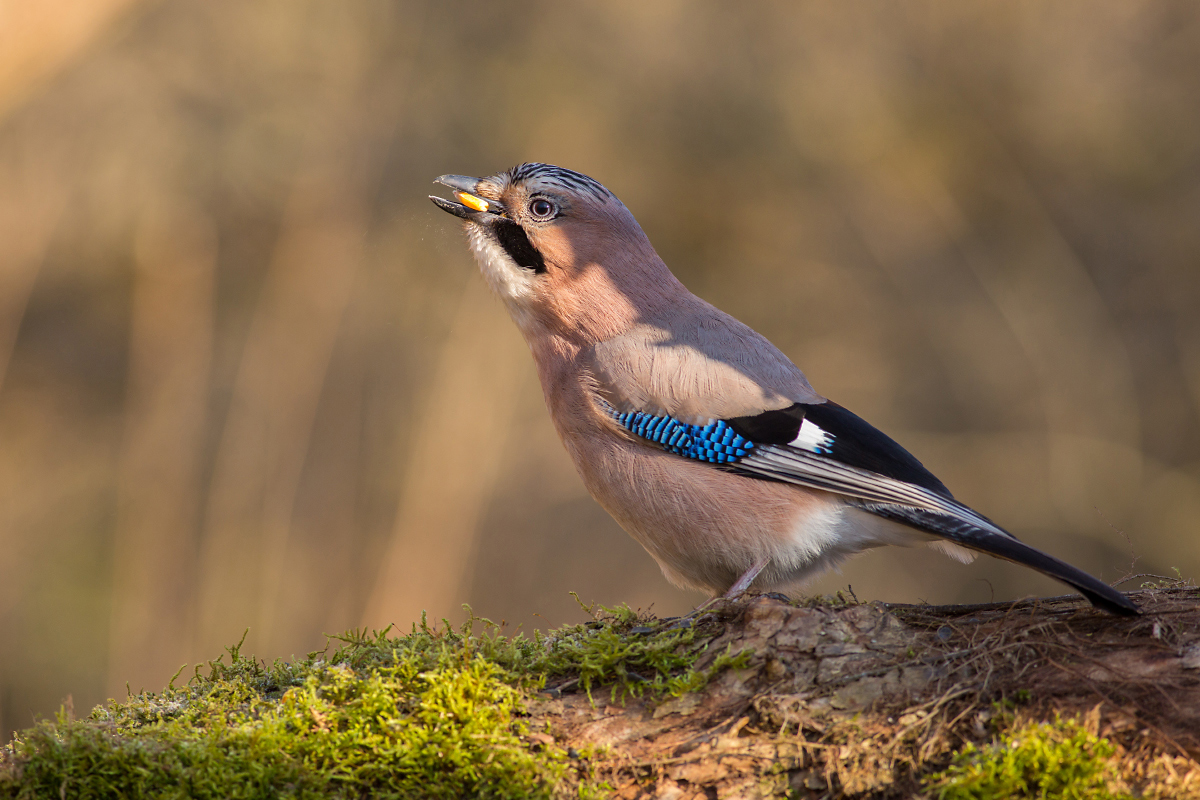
{"points": [[471, 201]]}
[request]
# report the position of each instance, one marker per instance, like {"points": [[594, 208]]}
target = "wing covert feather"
{"points": [[697, 369]]}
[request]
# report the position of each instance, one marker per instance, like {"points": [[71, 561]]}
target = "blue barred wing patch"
{"points": [[715, 443]]}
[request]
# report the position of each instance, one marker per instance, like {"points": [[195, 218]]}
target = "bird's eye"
{"points": [[541, 208]]}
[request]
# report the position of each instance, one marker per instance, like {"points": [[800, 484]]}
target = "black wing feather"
{"points": [[858, 443], [855, 442], [1009, 548], [771, 427]]}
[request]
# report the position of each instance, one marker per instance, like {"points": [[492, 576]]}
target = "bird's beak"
{"points": [[470, 205]]}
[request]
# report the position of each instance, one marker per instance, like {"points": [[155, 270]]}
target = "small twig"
{"points": [[1147, 575], [802, 743], [974, 607], [688, 745], [1133, 556]]}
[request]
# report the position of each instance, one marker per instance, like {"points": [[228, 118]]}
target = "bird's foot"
{"points": [[697, 615], [735, 592]]}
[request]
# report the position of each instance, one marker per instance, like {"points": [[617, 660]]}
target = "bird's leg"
{"points": [[737, 590], [739, 586], [743, 583]]}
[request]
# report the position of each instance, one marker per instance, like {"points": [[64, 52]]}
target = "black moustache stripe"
{"points": [[512, 238]]}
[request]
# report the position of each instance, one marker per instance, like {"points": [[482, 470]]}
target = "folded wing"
{"points": [[823, 446]]}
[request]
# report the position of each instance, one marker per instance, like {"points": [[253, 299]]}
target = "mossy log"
{"points": [[759, 698]]}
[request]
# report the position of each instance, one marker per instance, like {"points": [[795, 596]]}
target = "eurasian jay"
{"points": [[695, 433]]}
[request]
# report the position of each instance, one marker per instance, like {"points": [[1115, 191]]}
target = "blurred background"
{"points": [[252, 379]]}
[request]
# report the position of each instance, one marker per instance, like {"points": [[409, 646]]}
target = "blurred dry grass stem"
{"points": [[162, 449], [452, 466], [268, 429], [38, 36]]}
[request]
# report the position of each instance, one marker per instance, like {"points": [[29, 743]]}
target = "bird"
{"points": [[695, 433]]}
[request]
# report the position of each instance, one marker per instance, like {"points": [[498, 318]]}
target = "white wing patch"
{"points": [[814, 439]]}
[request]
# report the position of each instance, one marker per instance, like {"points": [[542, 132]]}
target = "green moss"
{"points": [[436, 713], [1050, 761], [634, 659]]}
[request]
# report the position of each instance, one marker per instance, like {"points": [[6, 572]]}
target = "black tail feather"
{"points": [[1009, 548]]}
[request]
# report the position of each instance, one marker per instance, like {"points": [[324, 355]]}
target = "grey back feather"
{"points": [[697, 365]]}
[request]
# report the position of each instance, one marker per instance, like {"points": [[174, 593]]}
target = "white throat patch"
{"points": [[514, 284]]}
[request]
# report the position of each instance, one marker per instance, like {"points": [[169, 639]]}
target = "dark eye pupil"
{"points": [[540, 208]]}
